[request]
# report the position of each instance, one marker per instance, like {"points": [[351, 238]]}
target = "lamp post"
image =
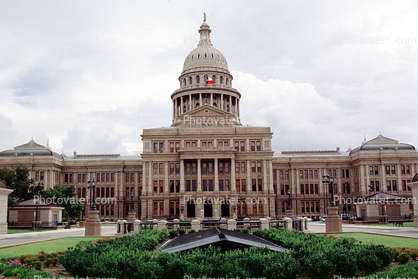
{"points": [[132, 202], [329, 179], [36, 215], [347, 187], [71, 214], [92, 187], [289, 193]]}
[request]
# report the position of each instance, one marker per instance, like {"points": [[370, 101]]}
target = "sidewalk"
{"points": [[316, 227], [8, 240]]}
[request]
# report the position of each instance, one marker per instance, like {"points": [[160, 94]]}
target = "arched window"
{"points": [[197, 79], [190, 80], [214, 78], [184, 82], [226, 81], [221, 79]]}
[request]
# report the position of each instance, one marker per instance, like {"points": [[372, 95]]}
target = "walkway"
{"points": [[7, 240], [317, 227]]}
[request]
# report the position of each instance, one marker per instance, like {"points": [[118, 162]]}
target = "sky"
{"points": [[89, 76]]}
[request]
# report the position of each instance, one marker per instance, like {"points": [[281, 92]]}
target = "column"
{"points": [[230, 103], [362, 186], [215, 165], [166, 190], [321, 190], [248, 162], [190, 102], [265, 184], [383, 175], [150, 190], [181, 176], [200, 99], [270, 163], [233, 182], [339, 190], [211, 99], [237, 109], [181, 105], [175, 108], [144, 179], [222, 101], [277, 180], [199, 176], [297, 188], [368, 176], [399, 178], [46, 173]]}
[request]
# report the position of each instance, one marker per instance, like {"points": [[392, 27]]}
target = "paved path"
{"points": [[316, 227], [7, 240]]}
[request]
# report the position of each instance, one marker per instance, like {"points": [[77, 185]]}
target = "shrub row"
{"points": [[310, 256], [322, 257]]}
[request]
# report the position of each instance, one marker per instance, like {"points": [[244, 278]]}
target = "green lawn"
{"points": [[49, 246], [405, 224], [390, 241]]}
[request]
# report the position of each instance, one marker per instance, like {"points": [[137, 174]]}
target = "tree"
{"points": [[18, 180], [65, 196]]}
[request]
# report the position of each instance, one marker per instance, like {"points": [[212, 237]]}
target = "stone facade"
{"points": [[208, 157]]}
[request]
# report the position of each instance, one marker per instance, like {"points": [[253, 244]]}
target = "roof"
{"points": [[227, 240], [205, 55], [380, 196], [382, 143], [30, 149]]}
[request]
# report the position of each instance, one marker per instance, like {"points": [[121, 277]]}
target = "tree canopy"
{"points": [[18, 180]]}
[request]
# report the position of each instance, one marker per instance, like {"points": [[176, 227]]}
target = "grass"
{"points": [[405, 224], [49, 246], [385, 240], [9, 231]]}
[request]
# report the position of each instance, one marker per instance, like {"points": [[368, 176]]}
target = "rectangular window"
{"points": [[316, 189], [258, 145], [171, 186], [227, 188], [307, 189], [301, 174], [155, 186], [253, 167], [252, 144], [237, 185], [155, 149], [243, 185], [132, 177], [237, 168], [259, 167], [254, 185], [161, 208], [302, 189], [194, 186], [171, 168], [188, 186], [204, 168], [210, 168], [221, 167], [177, 186], [242, 145], [112, 177], [171, 147], [161, 168], [221, 185], [155, 208], [161, 149], [161, 182], [226, 167], [177, 168], [236, 144], [194, 168], [394, 187], [387, 169], [210, 185], [205, 185], [260, 185], [154, 170], [243, 167], [392, 169], [177, 146]]}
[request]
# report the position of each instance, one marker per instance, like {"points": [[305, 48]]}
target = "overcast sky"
{"points": [[88, 76]]}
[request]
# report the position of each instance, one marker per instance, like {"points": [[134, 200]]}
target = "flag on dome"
{"points": [[209, 80]]}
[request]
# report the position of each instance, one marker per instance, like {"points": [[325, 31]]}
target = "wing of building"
{"points": [[207, 164]]}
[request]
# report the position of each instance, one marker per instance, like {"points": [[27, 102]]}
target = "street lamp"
{"points": [[288, 192], [329, 179], [92, 187], [71, 213], [132, 202], [347, 187], [36, 215]]}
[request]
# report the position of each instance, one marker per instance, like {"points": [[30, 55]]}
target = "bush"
{"points": [[192, 231], [182, 231], [173, 233], [246, 230]]}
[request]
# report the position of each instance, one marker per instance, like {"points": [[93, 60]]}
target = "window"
{"points": [[171, 168], [252, 144], [188, 186], [243, 170], [254, 185], [161, 168], [258, 166], [154, 170], [392, 169], [221, 185], [302, 189], [258, 143], [260, 185], [177, 168]]}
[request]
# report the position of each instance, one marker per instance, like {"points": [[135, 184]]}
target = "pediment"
{"points": [[208, 111]]}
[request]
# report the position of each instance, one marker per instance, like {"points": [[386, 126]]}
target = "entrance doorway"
{"points": [[191, 209], [208, 209], [225, 209]]}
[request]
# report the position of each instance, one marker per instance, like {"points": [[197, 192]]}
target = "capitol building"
{"points": [[208, 164]]}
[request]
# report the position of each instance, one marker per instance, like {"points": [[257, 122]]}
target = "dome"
{"points": [[382, 143], [205, 56]]}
